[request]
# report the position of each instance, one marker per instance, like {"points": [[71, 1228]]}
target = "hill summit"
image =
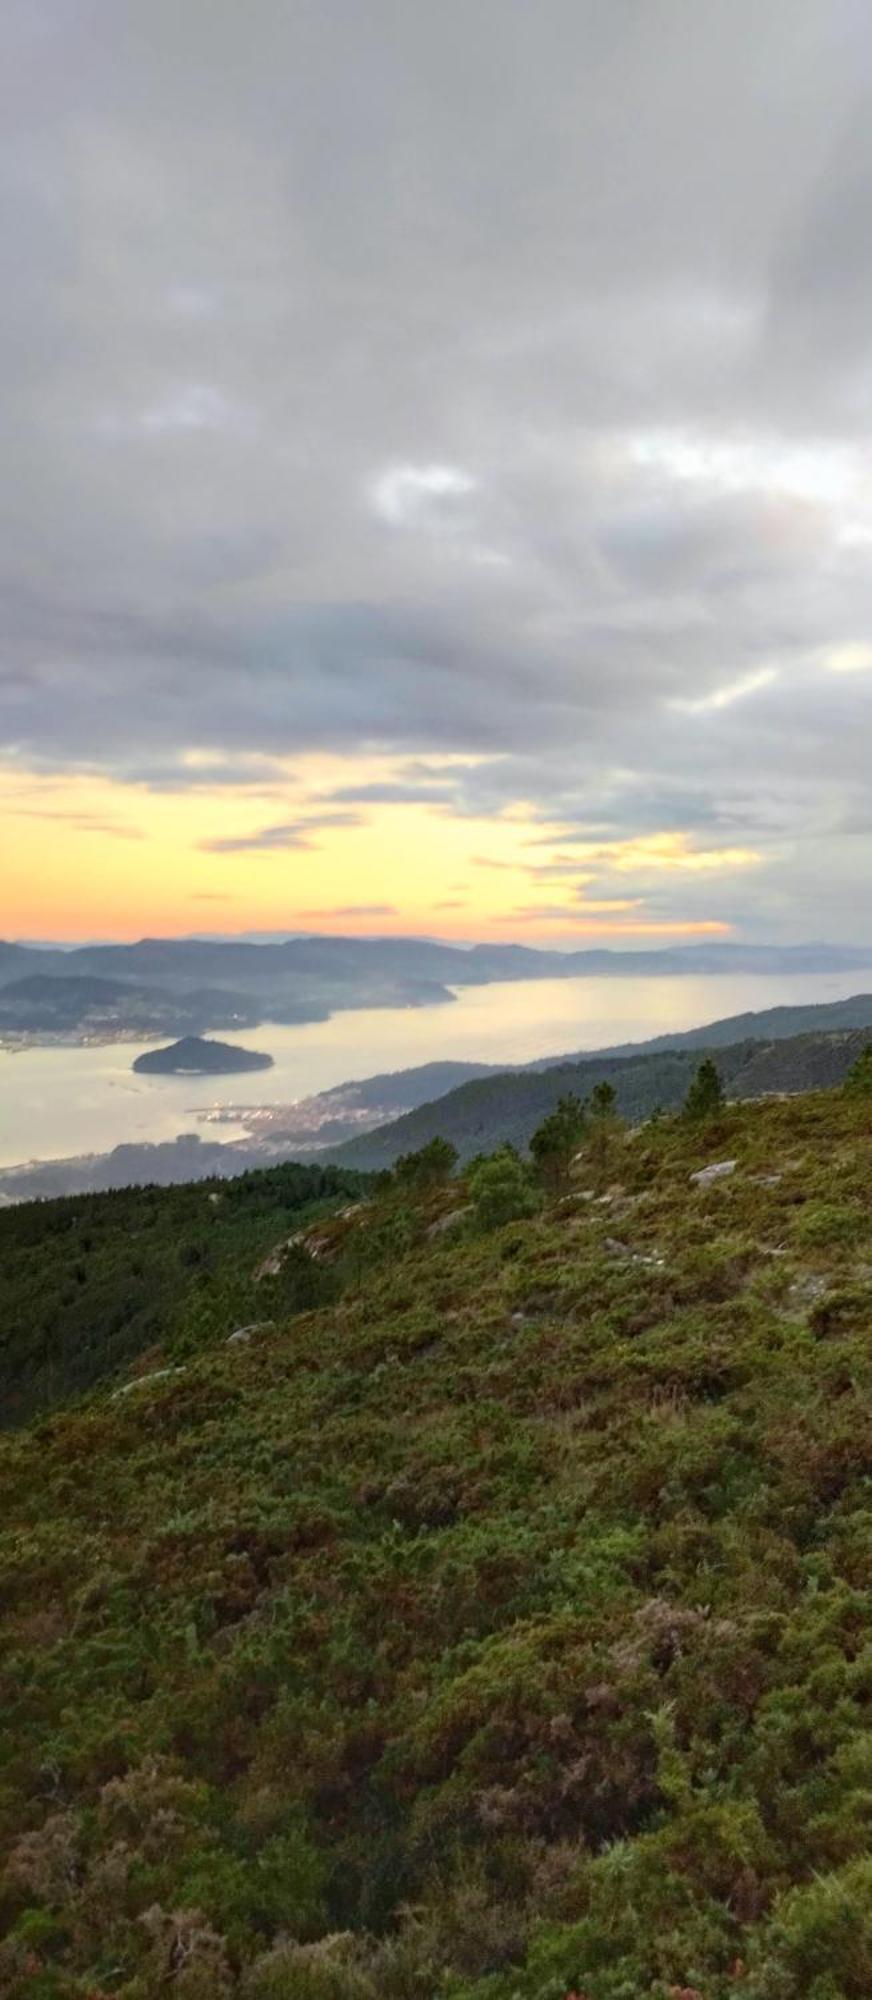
{"points": [[193, 1055], [487, 1616]]}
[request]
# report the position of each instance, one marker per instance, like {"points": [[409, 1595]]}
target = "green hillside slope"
{"points": [[89, 1282], [769, 1024], [497, 1631], [506, 1107]]}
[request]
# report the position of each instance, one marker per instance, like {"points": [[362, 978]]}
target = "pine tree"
{"points": [[603, 1126], [602, 1102], [433, 1163], [858, 1081], [705, 1097], [556, 1141]]}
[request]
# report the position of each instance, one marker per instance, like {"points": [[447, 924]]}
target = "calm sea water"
{"points": [[55, 1102]]}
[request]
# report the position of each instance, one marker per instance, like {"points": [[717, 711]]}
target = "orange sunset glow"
{"points": [[90, 857]]}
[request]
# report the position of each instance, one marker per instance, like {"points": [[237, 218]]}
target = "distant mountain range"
{"points": [[192, 985], [87, 1005]]}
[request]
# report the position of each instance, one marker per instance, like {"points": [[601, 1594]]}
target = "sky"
{"points": [[436, 475]]}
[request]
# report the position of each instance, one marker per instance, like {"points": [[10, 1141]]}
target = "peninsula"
{"points": [[193, 1056]]}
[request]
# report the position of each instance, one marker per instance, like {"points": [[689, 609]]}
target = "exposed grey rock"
{"points": [[143, 1381], [271, 1264], [241, 1335], [452, 1220], [651, 1258], [808, 1289], [717, 1172]]}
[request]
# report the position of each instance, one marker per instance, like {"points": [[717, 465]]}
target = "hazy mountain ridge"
{"points": [[217, 983], [505, 1109], [770, 1024], [778, 1023], [89, 1004]]}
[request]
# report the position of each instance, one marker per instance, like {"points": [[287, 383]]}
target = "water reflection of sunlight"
{"points": [[64, 1100]]}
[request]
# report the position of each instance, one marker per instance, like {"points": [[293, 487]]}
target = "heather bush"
{"points": [[495, 1630], [500, 1190]]}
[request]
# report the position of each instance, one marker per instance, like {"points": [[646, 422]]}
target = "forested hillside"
{"points": [[89, 1282], [498, 1630], [505, 1108], [767, 1024]]}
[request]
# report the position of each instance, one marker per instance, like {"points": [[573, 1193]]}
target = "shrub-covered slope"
{"points": [[505, 1108], [89, 1282], [499, 1632]]}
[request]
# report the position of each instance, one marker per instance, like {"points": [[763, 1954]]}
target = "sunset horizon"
{"points": [[435, 481]]}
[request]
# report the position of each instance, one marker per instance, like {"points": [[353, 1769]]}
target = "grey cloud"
{"points": [[82, 822], [340, 817], [250, 773], [713, 546], [390, 792], [288, 835], [570, 913], [345, 409], [553, 871]]}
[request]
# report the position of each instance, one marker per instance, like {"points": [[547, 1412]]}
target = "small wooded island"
{"points": [[192, 1056]]}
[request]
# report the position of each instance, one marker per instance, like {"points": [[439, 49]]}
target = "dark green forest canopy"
{"points": [[90, 1281], [499, 1630], [507, 1106]]}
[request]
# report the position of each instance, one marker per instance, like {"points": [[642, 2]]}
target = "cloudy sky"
{"points": [[437, 467]]}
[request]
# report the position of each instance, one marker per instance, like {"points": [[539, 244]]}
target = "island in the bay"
{"points": [[193, 1056]]}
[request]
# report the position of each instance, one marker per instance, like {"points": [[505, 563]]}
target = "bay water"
{"points": [[60, 1101]]}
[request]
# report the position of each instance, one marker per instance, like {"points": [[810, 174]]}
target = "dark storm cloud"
{"points": [[484, 378]]}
